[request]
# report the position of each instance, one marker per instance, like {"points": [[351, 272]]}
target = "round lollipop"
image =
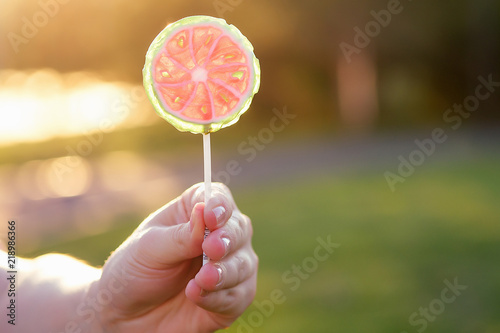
{"points": [[200, 75]]}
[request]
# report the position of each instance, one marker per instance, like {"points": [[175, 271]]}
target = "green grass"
{"points": [[396, 250]]}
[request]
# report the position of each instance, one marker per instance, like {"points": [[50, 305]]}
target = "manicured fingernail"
{"points": [[219, 213], [219, 271], [227, 243]]}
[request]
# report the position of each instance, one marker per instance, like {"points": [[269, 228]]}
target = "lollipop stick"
{"points": [[208, 178]]}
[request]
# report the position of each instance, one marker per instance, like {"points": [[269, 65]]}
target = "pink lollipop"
{"points": [[201, 75]]}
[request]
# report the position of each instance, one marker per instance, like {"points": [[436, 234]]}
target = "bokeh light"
{"points": [[122, 170], [44, 104], [61, 180]]}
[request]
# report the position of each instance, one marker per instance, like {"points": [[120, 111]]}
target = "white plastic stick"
{"points": [[208, 179]]}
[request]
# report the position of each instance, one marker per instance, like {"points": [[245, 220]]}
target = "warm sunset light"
{"points": [[43, 104]]}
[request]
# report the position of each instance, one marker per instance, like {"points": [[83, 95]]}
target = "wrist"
{"points": [[90, 311]]}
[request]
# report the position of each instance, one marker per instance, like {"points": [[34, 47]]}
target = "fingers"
{"points": [[218, 209], [167, 236], [160, 246], [236, 232], [232, 259], [227, 283], [229, 272], [231, 301], [230, 277]]}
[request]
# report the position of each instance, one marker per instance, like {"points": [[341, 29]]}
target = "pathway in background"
{"points": [[279, 162]]}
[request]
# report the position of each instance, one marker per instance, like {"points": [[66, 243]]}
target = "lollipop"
{"points": [[200, 75]]}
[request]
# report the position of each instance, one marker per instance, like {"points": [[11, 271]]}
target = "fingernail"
{"points": [[219, 213], [219, 271], [203, 292], [226, 242]]}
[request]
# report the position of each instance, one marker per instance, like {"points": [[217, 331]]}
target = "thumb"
{"points": [[163, 246]]}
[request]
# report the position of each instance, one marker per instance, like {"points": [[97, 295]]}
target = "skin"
{"points": [[154, 281]]}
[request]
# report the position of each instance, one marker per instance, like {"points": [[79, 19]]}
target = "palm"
{"points": [[166, 308]]}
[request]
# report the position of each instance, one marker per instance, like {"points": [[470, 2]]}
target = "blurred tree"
{"points": [[483, 56]]}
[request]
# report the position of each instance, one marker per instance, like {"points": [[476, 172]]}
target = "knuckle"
{"points": [[243, 221], [255, 258], [245, 226], [248, 224], [241, 266], [231, 298], [252, 290], [223, 187], [245, 265], [240, 229]]}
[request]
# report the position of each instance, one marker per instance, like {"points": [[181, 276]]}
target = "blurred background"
{"points": [[386, 144]]}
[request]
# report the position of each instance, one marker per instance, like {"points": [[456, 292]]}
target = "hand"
{"points": [[163, 286]]}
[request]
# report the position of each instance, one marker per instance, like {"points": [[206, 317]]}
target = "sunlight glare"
{"points": [[44, 104]]}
